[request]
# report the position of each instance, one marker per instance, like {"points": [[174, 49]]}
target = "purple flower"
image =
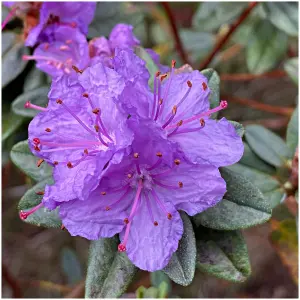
{"points": [[121, 37], [79, 132], [67, 47], [179, 108], [140, 198], [74, 14]]}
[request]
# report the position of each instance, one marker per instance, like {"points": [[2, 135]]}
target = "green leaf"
{"points": [[291, 67], [251, 160], [275, 197], [283, 15], [158, 277], [292, 132], [10, 123], [263, 50], [35, 79], [42, 217], [181, 267], [267, 145], [71, 265], [239, 128], [37, 96], [12, 53], [243, 206], [223, 254], [150, 64], [109, 271], [24, 159], [213, 80]]}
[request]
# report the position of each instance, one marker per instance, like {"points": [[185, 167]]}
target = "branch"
{"points": [[246, 76], [225, 38], [284, 111], [178, 42]]}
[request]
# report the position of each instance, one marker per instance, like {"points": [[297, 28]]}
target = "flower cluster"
{"points": [[127, 159]]}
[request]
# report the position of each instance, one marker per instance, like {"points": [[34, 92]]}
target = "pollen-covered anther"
{"points": [[173, 63], [162, 77], [126, 221], [103, 193], [174, 110], [169, 216], [179, 123], [202, 122], [136, 155], [223, 104], [180, 184], [69, 165], [160, 102], [59, 101], [86, 95], [157, 74], [96, 128], [177, 162], [121, 248], [55, 162], [129, 175], [96, 111], [107, 208], [159, 154], [77, 70], [189, 84], [48, 130], [155, 223], [86, 151], [204, 86], [39, 162], [40, 193]]}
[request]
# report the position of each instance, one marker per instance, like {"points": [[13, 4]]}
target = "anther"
{"points": [[103, 193], [155, 223], [86, 151], [107, 208], [77, 70], [40, 193], [59, 101], [55, 162], [96, 128], [64, 47], [69, 165], [126, 221], [46, 46], [177, 161], [174, 110], [36, 141], [68, 42], [62, 227], [86, 95], [180, 184], [96, 111], [169, 216], [179, 123], [48, 130], [36, 148], [136, 155], [157, 74], [39, 162], [162, 77], [121, 248], [189, 84], [173, 63], [160, 102], [204, 86], [202, 122], [129, 175], [159, 154]]}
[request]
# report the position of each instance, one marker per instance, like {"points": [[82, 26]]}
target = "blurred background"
{"points": [[256, 57]]}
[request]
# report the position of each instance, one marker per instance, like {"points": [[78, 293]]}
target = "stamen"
{"points": [[177, 162], [160, 203], [204, 86], [64, 48], [156, 164], [69, 165], [103, 128], [155, 223], [59, 101], [39, 162], [41, 193], [136, 155], [24, 215], [160, 102], [174, 111], [50, 60], [175, 130], [170, 187], [122, 246], [48, 130], [107, 208], [33, 106], [155, 93], [62, 227], [202, 123], [77, 70], [103, 193]]}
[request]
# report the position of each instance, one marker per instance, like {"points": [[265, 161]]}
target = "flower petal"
{"points": [[150, 247]]}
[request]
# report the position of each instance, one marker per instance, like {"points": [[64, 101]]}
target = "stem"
{"points": [[284, 111], [225, 38], [246, 76], [178, 42]]}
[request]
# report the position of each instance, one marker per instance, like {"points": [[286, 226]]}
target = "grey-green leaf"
{"points": [[71, 265], [292, 132], [23, 158], [12, 52], [283, 15], [109, 271], [239, 128], [10, 123], [223, 254], [37, 96], [213, 80], [263, 50], [291, 67], [243, 206], [35, 79], [181, 267], [267, 145]]}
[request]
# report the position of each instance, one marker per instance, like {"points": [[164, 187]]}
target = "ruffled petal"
{"points": [[217, 143], [150, 247]]}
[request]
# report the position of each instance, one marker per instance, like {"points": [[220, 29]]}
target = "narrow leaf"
{"points": [[292, 132]]}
